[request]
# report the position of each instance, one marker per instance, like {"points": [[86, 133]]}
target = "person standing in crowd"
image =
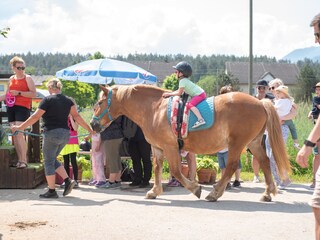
{"points": [[69, 152], [262, 88], [112, 138], [98, 156], [21, 90], [314, 114], [140, 153], [309, 143], [54, 110], [197, 94], [283, 104]]}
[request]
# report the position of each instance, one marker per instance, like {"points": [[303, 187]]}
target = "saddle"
{"points": [[181, 120]]}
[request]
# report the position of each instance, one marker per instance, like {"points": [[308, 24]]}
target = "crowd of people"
{"points": [[61, 119]]}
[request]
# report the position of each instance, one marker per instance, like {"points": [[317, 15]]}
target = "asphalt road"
{"points": [[89, 213]]}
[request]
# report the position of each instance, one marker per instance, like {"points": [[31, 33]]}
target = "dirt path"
{"points": [[90, 213]]}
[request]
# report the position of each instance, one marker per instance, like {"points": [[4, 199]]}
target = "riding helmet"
{"points": [[184, 68]]}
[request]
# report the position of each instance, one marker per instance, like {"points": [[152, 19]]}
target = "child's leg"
{"points": [[74, 164], [293, 130], [66, 163], [197, 113]]}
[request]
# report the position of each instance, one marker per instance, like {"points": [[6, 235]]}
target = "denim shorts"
{"points": [[222, 159], [53, 142]]}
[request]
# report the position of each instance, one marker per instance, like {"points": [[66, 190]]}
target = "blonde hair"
{"points": [[54, 83], [16, 60], [277, 81]]}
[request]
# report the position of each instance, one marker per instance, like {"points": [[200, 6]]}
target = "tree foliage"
{"points": [[306, 80], [171, 82], [4, 32]]}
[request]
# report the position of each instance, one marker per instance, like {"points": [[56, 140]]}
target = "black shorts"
{"points": [[18, 113]]}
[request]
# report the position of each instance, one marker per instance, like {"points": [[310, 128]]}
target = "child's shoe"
{"points": [[100, 184], [92, 183], [198, 123]]}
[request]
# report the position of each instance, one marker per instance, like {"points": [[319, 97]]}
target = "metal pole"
{"points": [[250, 53]]}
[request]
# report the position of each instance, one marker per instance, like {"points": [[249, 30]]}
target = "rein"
{"points": [[106, 110]]}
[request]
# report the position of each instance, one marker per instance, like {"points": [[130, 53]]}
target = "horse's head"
{"points": [[101, 116]]}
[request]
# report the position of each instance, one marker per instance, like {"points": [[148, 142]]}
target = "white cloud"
{"points": [[164, 27]]}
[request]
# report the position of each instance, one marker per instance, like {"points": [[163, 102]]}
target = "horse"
{"points": [[240, 121]]}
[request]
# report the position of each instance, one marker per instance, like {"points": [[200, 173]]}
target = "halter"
{"points": [[106, 110]]}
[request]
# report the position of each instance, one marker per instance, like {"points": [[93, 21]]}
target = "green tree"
{"points": [[228, 79], [82, 93], [171, 82], [306, 80], [209, 84], [4, 31]]}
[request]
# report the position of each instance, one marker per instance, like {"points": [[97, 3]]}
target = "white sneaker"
{"points": [[256, 179], [198, 123]]}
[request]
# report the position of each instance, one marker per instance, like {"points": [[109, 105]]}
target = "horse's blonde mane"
{"points": [[124, 92]]}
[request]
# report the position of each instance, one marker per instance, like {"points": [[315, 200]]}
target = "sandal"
{"points": [[21, 165]]}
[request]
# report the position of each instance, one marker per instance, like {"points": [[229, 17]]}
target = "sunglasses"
{"points": [[317, 36], [261, 88], [271, 88], [21, 68]]}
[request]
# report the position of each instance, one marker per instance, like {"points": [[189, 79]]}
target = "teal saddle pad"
{"points": [[206, 109]]}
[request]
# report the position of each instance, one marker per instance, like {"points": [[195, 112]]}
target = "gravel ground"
{"points": [[89, 213]]}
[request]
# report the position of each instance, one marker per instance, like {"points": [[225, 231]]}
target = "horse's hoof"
{"points": [[198, 191], [265, 198], [210, 198], [151, 195]]}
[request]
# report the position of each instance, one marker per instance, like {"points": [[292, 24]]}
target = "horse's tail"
{"points": [[276, 140]]}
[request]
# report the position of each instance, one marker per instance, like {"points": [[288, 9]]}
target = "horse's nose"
{"points": [[95, 125]]}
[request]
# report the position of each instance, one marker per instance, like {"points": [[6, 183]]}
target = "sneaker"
{"points": [[198, 123], [174, 183], [100, 183], [49, 195], [62, 185], [296, 145], [256, 179], [313, 185], [68, 187], [228, 187], [285, 184], [93, 182], [236, 183], [76, 185], [112, 185]]}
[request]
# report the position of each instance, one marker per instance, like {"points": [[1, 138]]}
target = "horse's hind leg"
{"points": [[156, 190], [259, 152]]}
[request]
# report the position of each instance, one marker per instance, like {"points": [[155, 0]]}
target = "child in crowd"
{"points": [[97, 160], [70, 150], [197, 94]]}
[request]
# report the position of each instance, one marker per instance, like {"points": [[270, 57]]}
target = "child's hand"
{"points": [[166, 95]]}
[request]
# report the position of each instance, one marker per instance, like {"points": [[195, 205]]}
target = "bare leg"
{"points": [[20, 144], [237, 174], [196, 112], [315, 164], [316, 212]]}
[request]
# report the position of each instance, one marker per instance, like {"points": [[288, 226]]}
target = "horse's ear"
{"points": [[104, 89]]}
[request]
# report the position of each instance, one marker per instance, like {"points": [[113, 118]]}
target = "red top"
{"points": [[20, 85]]}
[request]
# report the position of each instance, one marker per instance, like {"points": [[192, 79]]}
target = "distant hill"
{"points": [[312, 53]]}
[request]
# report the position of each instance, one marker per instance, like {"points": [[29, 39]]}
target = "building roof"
{"points": [[160, 69], [288, 73]]}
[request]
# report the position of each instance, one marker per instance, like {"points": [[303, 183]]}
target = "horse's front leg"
{"points": [[156, 190], [174, 160], [232, 165]]}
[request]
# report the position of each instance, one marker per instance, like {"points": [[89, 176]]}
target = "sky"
{"points": [[122, 27]]}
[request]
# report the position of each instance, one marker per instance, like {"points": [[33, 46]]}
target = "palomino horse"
{"points": [[240, 121]]}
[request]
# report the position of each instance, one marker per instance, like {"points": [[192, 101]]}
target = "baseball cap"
{"points": [[262, 82]]}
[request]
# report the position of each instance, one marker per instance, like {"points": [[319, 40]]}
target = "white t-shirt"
{"points": [[283, 106]]}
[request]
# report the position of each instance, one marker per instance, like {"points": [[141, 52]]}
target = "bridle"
{"points": [[107, 110]]}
